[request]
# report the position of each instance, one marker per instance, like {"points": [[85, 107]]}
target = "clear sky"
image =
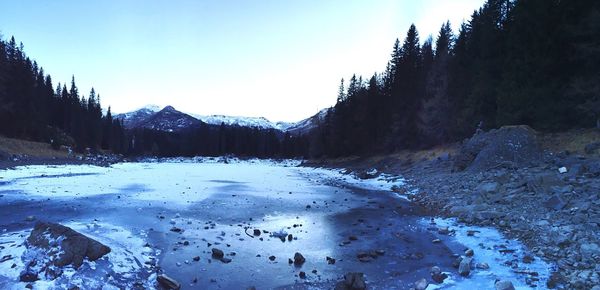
{"points": [[278, 59]]}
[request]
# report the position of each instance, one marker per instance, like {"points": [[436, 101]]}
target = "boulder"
{"points": [[464, 268], [299, 259], [421, 284], [352, 281], [168, 282], [64, 245], [555, 202], [436, 275], [543, 183], [509, 145], [504, 285], [217, 254]]}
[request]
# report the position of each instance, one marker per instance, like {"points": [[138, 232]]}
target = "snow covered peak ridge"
{"points": [[170, 119], [152, 117], [152, 108], [253, 122]]}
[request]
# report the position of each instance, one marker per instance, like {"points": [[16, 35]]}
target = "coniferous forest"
{"points": [[30, 107], [531, 62]]}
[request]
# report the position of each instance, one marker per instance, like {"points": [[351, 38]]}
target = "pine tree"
{"points": [[341, 95], [434, 116]]}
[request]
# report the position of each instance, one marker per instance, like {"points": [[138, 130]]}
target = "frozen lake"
{"points": [[133, 208]]}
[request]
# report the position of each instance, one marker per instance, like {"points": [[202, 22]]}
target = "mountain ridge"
{"points": [[170, 119]]}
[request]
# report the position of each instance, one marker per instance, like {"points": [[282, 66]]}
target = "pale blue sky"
{"points": [[279, 59]]}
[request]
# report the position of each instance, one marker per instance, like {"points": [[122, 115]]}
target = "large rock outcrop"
{"points": [[50, 247], [511, 146], [72, 247]]}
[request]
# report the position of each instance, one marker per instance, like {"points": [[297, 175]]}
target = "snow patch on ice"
{"points": [[487, 243], [381, 182]]}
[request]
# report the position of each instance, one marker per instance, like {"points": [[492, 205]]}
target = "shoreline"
{"points": [[556, 215]]}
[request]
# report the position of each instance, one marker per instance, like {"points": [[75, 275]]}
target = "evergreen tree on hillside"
{"points": [[434, 116], [406, 91]]}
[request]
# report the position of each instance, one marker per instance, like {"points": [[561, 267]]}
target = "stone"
{"points": [[302, 275], [352, 281], [456, 262], [482, 266], [504, 285], [587, 250], [28, 276], [469, 253], [168, 282], [421, 284], [299, 259], [464, 268], [443, 231], [436, 275], [256, 232], [272, 258], [555, 202], [217, 254], [73, 249], [487, 187]]}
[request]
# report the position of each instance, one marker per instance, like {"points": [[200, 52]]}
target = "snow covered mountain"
{"points": [[253, 122], [152, 117], [170, 120], [306, 125], [137, 117]]}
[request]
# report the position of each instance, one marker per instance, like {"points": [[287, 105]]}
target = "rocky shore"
{"points": [[507, 179]]}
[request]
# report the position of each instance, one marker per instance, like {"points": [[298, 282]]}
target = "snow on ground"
{"points": [[380, 181], [487, 243], [125, 262]]}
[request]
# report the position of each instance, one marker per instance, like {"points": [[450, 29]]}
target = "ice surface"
{"points": [[180, 182], [177, 183]]}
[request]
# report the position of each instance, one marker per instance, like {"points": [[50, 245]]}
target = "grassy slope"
{"points": [[12, 146]]}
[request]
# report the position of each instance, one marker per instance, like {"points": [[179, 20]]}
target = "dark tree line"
{"points": [[30, 107], [212, 140], [533, 62]]}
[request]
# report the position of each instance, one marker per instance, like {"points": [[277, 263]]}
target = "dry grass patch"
{"points": [[33, 149]]}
